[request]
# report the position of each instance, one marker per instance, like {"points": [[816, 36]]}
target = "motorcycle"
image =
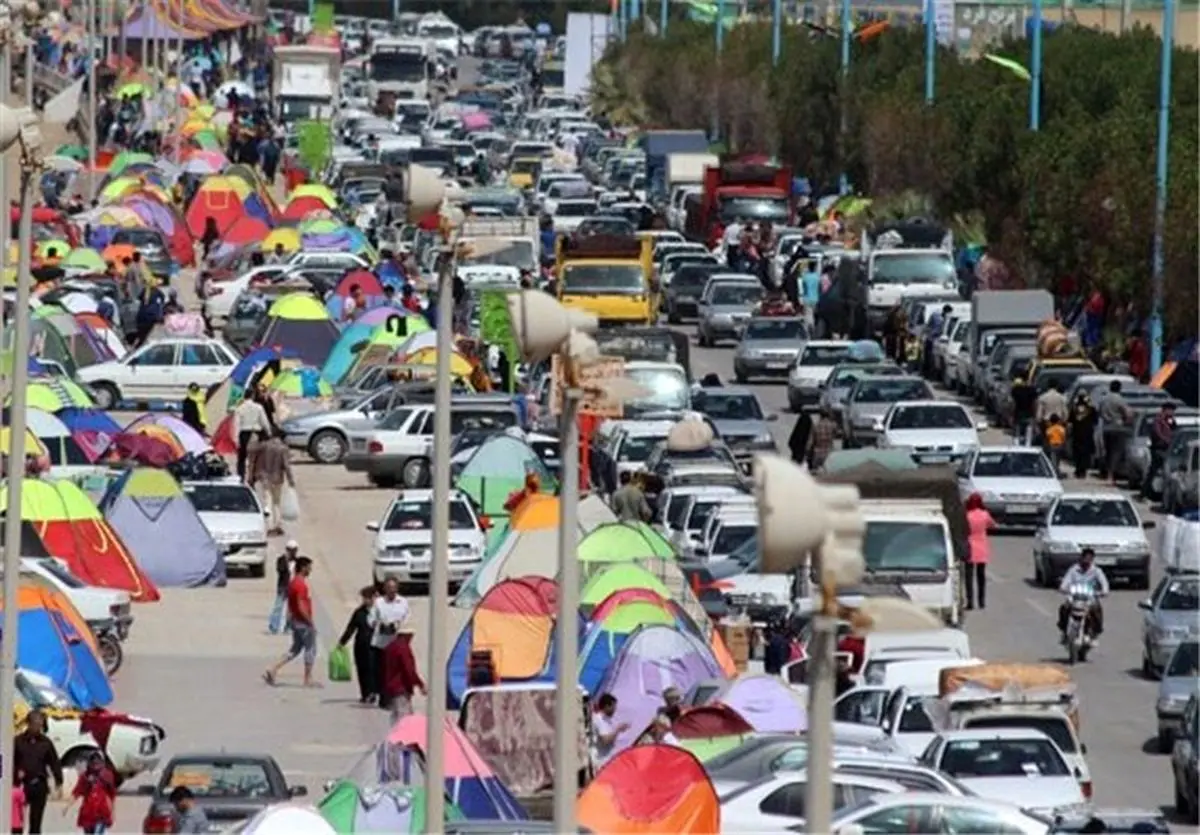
{"points": [[109, 644], [1081, 597]]}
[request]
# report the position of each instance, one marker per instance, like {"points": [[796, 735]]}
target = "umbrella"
{"points": [[73, 151], [134, 88], [289, 238], [63, 163]]}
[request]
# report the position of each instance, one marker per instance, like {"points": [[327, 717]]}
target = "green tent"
{"points": [[494, 470], [623, 542], [392, 808], [707, 748], [617, 578]]}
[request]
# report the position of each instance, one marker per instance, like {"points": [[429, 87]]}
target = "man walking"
{"points": [[271, 464], [303, 626], [283, 576], [629, 502], [35, 761], [1161, 433]]}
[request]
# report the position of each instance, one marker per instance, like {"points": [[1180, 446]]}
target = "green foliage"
{"points": [[315, 144], [1075, 198], [495, 326]]}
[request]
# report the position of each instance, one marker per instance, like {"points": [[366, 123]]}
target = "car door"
{"points": [[862, 706], [151, 371], [203, 363], [900, 819]]}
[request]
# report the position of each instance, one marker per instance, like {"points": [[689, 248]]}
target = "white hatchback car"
{"points": [[159, 370], [404, 538], [236, 520]]}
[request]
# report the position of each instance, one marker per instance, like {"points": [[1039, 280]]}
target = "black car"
{"points": [[226, 787]]}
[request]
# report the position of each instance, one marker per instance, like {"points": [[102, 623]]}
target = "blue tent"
{"points": [[160, 526], [49, 643], [341, 358], [89, 420]]}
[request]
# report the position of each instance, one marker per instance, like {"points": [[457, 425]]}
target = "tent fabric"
{"points": [[284, 819], [311, 340], [606, 638], [617, 578], [350, 809], [650, 789], [496, 469], [149, 510], [300, 307], [471, 785], [365, 280], [93, 429], [515, 621], [624, 542], [71, 528], [653, 659], [619, 598], [709, 720], [188, 438], [353, 348], [766, 702]]}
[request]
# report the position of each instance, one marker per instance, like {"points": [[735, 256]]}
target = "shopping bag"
{"points": [[289, 504], [339, 664]]}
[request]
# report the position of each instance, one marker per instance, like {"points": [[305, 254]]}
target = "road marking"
{"points": [[1038, 607]]}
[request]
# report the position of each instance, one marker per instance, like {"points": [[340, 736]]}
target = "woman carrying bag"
{"points": [[359, 628]]}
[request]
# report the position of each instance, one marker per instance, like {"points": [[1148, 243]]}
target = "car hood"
{"points": [[1027, 792], [774, 347], [424, 539], [1017, 486], [866, 410], [222, 525], [1097, 534], [315, 418], [737, 429], [811, 372], [933, 437], [1176, 687], [729, 310]]}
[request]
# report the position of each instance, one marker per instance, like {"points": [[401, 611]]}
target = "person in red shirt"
{"points": [[409, 299], [400, 679], [1137, 354], [301, 623], [96, 791]]}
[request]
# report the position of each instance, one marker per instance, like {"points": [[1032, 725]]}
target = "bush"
{"points": [[1075, 199]]}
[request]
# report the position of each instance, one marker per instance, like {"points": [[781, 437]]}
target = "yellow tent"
{"points": [[460, 366]]}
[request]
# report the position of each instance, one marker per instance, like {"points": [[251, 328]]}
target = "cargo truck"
{"points": [[306, 83], [743, 190], [994, 310], [609, 276], [659, 146], [911, 259]]}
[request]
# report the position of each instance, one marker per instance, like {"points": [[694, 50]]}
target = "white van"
{"points": [[908, 542]]}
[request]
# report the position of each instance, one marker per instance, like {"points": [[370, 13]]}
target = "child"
{"points": [[18, 802], [1056, 439], [96, 790]]}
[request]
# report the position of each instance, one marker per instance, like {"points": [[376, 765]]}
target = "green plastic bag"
{"points": [[339, 664]]}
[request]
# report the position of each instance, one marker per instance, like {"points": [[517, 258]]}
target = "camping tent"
{"points": [[766, 702], [285, 819], [650, 788], [188, 439], [622, 542], [151, 513], [299, 324], [350, 809], [709, 730], [92, 429], [56, 437], [492, 471], [515, 622], [67, 524], [364, 280], [365, 343], [470, 782], [606, 637], [617, 578], [653, 659]]}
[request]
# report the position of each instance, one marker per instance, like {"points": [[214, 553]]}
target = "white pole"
{"points": [[16, 475], [821, 694], [566, 702], [6, 226], [91, 112], [439, 597]]}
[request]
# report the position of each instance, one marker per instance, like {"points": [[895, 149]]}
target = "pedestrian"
{"points": [[192, 409], [605, 729], [672, 699], [271, 464], [399, 677], [1115, 417], [1161, 433], [1025, 406], [823, 436], [798, 440], [1082, 420], [283, 577], [387, 614], [96, 791], [36, 758], [249, 420], [1055, 437], [278, 256], [150, 312], [302, 624], [979, 523], [660, 730], [358, 629], [629, 501], [354, 304], [1050, 403], [777, 650], [191, 818], [210, 236], [18, 802]]}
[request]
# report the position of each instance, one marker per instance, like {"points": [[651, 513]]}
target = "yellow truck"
{"points": [[610, 276]]}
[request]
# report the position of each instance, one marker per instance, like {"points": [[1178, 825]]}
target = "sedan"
{"points": [[933, 431], [1017, 484], [869, 400], [1184, 763], [1171, 616], [765, 755], [921, 812], [1107, 523], [768, 347], [1179, 682], [235, 518], [739, 420], [776, 802], [843, 377], [727, 304]]}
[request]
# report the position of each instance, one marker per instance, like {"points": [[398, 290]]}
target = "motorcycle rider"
{"points": [[1084, 571]]}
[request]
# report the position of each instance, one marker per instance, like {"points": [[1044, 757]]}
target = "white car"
{"points": [[933, 431], [160, 370], [1017, 483], [1106, 522], [1021, 766], [922, 812], [96, 605], [236, 520], [404, 538], [775, 803], [811, 369], [328, 259], [220, 295], [133, 744]]}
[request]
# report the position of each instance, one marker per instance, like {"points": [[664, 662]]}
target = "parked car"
{"points": [[1171, 615], [1180, 680], [1136, 460], [780, 801], [1183, 763], [97, 605], [404, 538], [236, 520], [227, 787], [160, 370], [921, 812], [1108, 523], [1182, 482]]}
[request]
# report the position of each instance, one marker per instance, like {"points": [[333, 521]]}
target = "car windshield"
{"points": [[626, 279], [1054, 726], [844, 378], [675, 260], [891, 391], [895, 268], [1181, 595], [774, 209], [1012, 465], [736, 294], [771, 329], [219, 778], [222, 498], [60, 571], [42, 694], [416, 516], [512, 254], [575, 208], [692, 276], [525, 166], [824, 354], [1090, 513], [1185, 662], [636, 448], [728, 406], [967, 758], [930, 417], [904, 546], [668, 387], [731, 537], [137, 237]]}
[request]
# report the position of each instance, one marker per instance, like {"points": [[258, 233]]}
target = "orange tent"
{"points": [[651, 789]]}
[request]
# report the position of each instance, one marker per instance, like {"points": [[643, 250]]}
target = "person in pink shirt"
{"points": [[18, 802], [979, 522]]}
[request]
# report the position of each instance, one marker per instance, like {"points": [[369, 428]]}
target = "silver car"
{"points": [[727, 304], [1169, 618], [1017, 484], [869, 400], [739, 420], [1181, 485], [325, 435], [843, 377], [768, 347], [1179, 682], [1136, 459], [1106, 522]]}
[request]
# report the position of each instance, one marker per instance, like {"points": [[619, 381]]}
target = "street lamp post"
{"points": [[720, 46], [1035, 81], [930, 50], [663, 18], [847, 31], [1160, 187], [91, 111], [776, 31]]}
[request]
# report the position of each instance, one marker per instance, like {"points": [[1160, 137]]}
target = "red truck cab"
{"points": [[747, 189]]}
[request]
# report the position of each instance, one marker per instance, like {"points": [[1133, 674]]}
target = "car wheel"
{"points": [[108, 396], [1038, 577], [327, 446], [848, 442], [258, 571], [739, 375], [415, 473], [672, 316], [701, 339], [1141, 582]]}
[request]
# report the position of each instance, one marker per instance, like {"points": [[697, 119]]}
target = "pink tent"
{"points": [[476, 121]]}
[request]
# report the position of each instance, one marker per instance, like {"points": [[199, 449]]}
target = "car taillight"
{"points": [[158, 824], [1086, 787], [374, 447]]}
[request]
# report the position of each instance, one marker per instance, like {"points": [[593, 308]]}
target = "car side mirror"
{"points": [[1083, 749], [982, 426], [146, 790], [1078, 773], [297, 791], [373, 527], [771, 418], [1145, 605], [1149, 524]]}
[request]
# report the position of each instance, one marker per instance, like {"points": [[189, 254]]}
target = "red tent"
{"points": [[299, 208], [245, 230], [222, 205], [366, 280], [708, 721]]}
